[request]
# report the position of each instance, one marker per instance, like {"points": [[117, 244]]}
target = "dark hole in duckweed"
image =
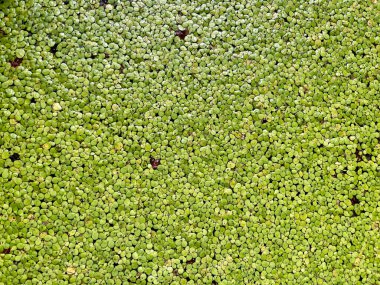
{"points": [[16, 62], [354, 200], [368, 156], [33, 100], [214, 282], [175, 272], [191, 261], [358, 155], [14, 157], [103, 2], [154, 162], [6, 251], [53, 49], [182, 33]]}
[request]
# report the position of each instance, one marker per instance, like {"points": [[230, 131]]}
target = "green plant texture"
{"points": [[189, 142]]}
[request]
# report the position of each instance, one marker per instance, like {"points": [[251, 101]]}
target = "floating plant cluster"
{"points": [[189, 142]]}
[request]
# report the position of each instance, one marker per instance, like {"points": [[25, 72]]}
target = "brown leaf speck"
{"points": [[154, 162], [16, 62], [182, 33], [6, 251]]}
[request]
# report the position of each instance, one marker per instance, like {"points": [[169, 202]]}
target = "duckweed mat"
{"points": [[189, 142]]}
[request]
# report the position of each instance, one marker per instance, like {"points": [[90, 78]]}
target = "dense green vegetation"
{"points": [[189, 142]]}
